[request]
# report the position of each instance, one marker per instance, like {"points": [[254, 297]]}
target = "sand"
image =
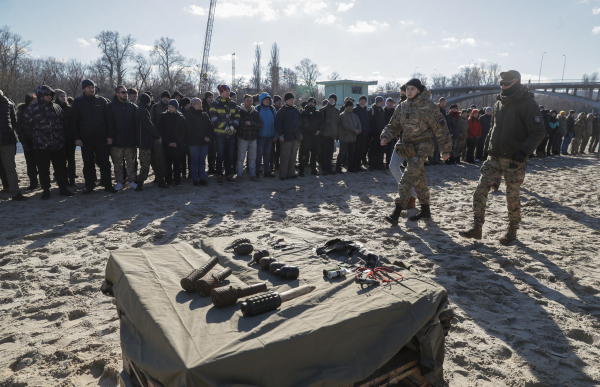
{"points": [[527, 314]]}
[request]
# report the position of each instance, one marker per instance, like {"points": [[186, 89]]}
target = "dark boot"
{"points": [[301, 171], [32, 186], [474, 232], [88, 190], [140, 186], [393, 219], [339, 170], [19, 197], [63, 191], [46, 194], [425, 213], [509, 236], [71, 182], [314, 171], [110, 189]]}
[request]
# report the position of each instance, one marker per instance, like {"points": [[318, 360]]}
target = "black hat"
{"points": [[363, 97], [324, 103], [348, 103], [184, 102], [209, 94], [149, 93], [454, 106], [473, 106], [232, 94], [287, 96], [173, 102], [165, 94], [416, 83], [510, 75], [131, 91], [332, 95], [312, 99], [403, 87], [144, 99], [276, 99], [87, 82], [177, 94], [304, 104]]}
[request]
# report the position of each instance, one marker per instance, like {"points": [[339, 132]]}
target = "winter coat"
{"points": [[570, 124], [562, 125], [44, 123], [453, 119], [464, 127], [310, 121], [287, 123], [474, 126], [350, 123], [89, 117], [595, 127], [8, 121], [146, 132], [66, 108], [267, 115], [485, 120], [171, 127], [516, 125], [197, 128], [330, 118], [249, 132], [224, 112], [554, 124], [121, 123], [579, 126], [376, 121], [23, 138], [156, 110], [588, 125], [364, 117]]}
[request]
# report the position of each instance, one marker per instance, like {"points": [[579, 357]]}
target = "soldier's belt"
{"points": [[415, 142]]}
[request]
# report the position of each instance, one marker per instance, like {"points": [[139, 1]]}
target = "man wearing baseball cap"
{"points": [[516, 130]]}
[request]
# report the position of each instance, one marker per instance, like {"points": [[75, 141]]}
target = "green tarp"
{"points": [[338, 334]]}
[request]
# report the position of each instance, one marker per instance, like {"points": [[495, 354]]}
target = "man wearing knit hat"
{"points": [[121, 128], [160, 107], [225, 117], [287, 126], [361, 110], [90, 129], [212, 148], [418, 119], [377, 123], [149, 143], [517, 129], [276, 147], [310, 121], [331, 132]]}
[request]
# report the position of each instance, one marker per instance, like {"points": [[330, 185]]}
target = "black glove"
{"points": [[520, 156]]}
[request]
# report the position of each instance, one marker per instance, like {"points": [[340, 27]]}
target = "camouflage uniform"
{"points": [[578, 134], [492, 171], [145, 160], [120, 154], [461, 150], [418, 119]]}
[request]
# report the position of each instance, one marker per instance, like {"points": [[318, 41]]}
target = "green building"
{"points": [[346, 88]]}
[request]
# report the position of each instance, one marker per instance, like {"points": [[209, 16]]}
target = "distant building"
{"points": [[346, 88]]}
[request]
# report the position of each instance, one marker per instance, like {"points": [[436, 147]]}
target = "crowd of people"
{"points": [[180, 137]]}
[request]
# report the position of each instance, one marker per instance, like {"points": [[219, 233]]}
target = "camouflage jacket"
{"points": [[580, 125], [44, 123], [418, 119]]}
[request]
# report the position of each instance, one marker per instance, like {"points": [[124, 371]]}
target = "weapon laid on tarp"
{"points": [[258, 255], [275, 266], [337, 273], [205, 284], [268, 301], [339, 245], [228, 295], [244, 249], [237, 242], [287, 272], [187, 282], [266, 262]]}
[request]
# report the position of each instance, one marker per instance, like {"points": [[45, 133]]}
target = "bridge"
{"points": [[563, 89]]}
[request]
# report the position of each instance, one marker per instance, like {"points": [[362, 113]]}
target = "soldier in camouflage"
{"points": [[416, 119], [516, 131]]}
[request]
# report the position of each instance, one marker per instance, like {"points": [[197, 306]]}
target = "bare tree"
{"points": [[75, 73], [274, 67], [143, 69], [13, 50], [308, 72], [116, 52], [170, 62], [334, 76], [439, 81], [256, 69], [420, 76], [589, 78]]}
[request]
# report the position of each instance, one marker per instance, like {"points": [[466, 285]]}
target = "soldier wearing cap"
{"points": [[516, 131], [418, 119]]}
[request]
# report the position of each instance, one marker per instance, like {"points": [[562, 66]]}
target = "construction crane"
{"points": [[208, 36], [233, 71]]}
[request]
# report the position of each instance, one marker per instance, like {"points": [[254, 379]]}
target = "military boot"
{"points": [[393, 219], [474, 232], [511, 235], [425, 213]]}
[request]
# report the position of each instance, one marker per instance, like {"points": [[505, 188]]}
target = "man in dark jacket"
{"points": [[570, 133], [595, 135], [516, 130], [89, 122], [44, 122], [310, 122], [485, 120], [225, 118], [247, 133], [362, 140], [8, 144], [453, 121], [160, 107], [61, 99], [199, 134], [212, 148], [330, 117], [149, 142], [121, 128], [287, 126], [377, 123], [32, 171], [171, 126]]}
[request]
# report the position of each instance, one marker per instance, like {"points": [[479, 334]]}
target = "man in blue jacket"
{"points": [[266, 135], [287, 125]]}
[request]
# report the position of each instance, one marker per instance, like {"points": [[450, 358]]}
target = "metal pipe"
{"points": [[539, 76]]}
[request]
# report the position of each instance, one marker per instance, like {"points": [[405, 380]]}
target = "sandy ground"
{"points": [[528, 314]]}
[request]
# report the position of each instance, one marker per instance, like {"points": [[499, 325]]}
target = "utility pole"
{"points": [[542, 62], [233, 71]]}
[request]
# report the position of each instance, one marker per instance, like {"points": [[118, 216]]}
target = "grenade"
{"points": [[237, 242], [187, 283], [288, 272], [244, 249], [205, 284], [266, 262], [228, 295], [275, 266], [260, 254], [268, 301]]}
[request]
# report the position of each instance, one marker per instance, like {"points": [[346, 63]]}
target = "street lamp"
{"points": [[539, 76], [563, 77]]}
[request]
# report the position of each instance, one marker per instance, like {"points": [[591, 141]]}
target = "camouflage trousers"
{"points": [[120, 154], [461, 146], [413, 177], [576, 144], [145, 158], [492, 171], [455, 146]]}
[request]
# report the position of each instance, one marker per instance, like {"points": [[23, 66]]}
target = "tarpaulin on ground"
{"points": [[337, 334]]}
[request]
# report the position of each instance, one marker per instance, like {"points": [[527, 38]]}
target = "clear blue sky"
{"points": [[361, 39]]}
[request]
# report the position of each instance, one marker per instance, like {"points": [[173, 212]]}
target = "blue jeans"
{"points": [[198, 163], [263, 153], [225, 149], [566, 142], [243, 147]]}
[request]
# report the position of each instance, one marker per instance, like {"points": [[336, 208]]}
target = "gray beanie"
{"points": [[194, 101], [378, 99], [58, 93]]}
